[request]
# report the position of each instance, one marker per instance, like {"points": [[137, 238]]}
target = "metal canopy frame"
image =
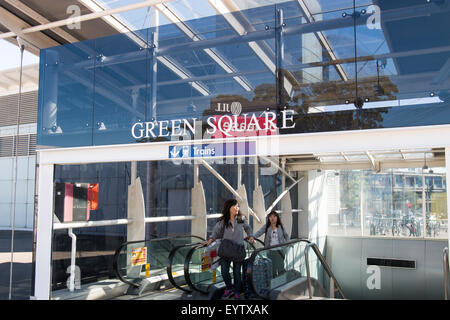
{"points": [[369, 159]]}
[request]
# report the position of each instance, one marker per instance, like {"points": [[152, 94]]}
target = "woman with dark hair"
{"points": [[274, 234], [231, 226]]}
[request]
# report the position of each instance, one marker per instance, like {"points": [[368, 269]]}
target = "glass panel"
{"points": [[402, 63], [136, 19], [121, 87], [111, 181], [317, 68], [392, 202], [5, 263], [107, 201], [208, 80], [22, 269], [274, 267], [345, 219], [436, 204], [66, 86], [6, 185], [94, 258], [179, 257], [385, 78], [167, 192], [203, 275], [202, 272], [21, 279], [398, 77], [138, 260]]}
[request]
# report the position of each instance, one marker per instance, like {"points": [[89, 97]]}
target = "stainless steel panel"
{"points": [[434, 273], [344, 257], [409, 283], [348, 261]]}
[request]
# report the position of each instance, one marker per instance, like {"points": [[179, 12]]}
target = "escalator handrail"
{"points": [[170, 262], [257, 240], [309, 244], [118, 250], [325, 266], [187, 262]]}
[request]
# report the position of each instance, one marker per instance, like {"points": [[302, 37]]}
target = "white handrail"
{"points": [[104, 223], [88, 224], [169, 218]]}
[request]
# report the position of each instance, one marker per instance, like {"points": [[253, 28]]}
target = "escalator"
{"points": [[281, 272], [175, 268], [143, 265], [172, 267], [206, 282]]}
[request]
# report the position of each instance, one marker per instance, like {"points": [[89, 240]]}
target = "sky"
{"points": [[10, 56]]}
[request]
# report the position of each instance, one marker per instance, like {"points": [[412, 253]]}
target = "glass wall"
{"points": [[393, 203], [332, 66], [315, 65], [167, 191], [17, 242]]}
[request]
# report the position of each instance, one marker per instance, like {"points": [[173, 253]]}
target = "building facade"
{"points": [[334, 113]]}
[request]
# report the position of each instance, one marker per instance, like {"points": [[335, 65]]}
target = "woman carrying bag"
{"points": [[230, 228], [274, 234]]}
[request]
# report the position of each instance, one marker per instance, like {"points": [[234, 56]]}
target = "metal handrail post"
{"points": [[308, 274], [324, 264]]}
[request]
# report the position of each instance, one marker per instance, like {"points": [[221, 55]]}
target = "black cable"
{"points": [[16, 140], [356, 54]]}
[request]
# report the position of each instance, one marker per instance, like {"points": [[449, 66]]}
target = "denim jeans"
{"points": [[225, 269]]}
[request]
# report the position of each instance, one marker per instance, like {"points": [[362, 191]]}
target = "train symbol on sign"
{"points": [[179, 151]]}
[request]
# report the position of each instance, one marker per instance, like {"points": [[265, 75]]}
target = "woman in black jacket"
{"points": [[231, 226]]}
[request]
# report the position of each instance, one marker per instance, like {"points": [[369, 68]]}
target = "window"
{"points": [[392, 203]]}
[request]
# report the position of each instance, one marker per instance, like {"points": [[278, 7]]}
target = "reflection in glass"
{"points": [[392, 204]]}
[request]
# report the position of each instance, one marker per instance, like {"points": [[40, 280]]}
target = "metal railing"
{"points": [[325, 265]]}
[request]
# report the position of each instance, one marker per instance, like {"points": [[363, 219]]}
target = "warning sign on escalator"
{"points": [[206, 261], [138, 256]]}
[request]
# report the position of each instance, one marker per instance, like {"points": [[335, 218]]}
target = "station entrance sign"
{"points": [[245, 148]]}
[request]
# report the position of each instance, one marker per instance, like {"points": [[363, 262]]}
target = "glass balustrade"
{"points": [[203, 269], [137, 260], [272, 267], [175, 267]]}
